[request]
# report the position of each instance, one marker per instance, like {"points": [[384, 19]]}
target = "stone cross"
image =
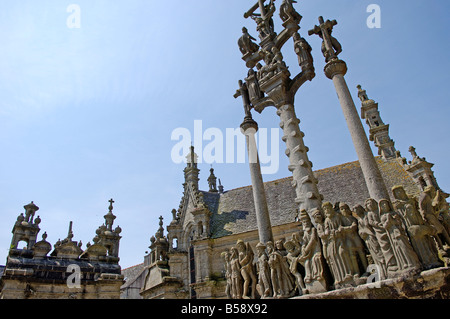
{"points": [[260, 5], [111, 201], [330, 44]]}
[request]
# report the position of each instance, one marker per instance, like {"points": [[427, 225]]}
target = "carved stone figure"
{"points": [[268, 70], [294, 249], [247, 269], [236, 278], [373, 219], [254, 90], [245, 43], [227, 262], [319, 220], [353, 241], [287, 12], [311, 257], [277, 62], [404, 254], [282, 281], [338, 254], [263, 269], [419, 233], [428, 214], [367, 233], [303, 51]]}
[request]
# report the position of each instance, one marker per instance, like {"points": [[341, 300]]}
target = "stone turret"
{"points": [[378, 131], [25, 230], [421, 171]]}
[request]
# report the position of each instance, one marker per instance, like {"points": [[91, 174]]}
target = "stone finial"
{"points": [[160, 232], [30, 210], [109, 217]]}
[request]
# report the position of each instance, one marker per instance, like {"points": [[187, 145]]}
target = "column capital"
{"points": [[249, 126], [334, 67]]}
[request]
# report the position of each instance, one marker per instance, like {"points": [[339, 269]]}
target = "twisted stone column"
{"points": [[304, 182]]}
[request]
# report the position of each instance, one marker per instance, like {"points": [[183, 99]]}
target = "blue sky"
{"points": [[87, 113]]}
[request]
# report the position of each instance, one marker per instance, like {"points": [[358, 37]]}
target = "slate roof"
{"points": [[131, 274], [234, 212]]}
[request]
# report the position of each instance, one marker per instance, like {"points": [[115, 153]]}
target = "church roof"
{"points": [[234, 211]]}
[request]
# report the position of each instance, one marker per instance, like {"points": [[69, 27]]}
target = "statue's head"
{"points": [[328, 209], [371, 205], [359, 211], [385, 206], [344, 209], [317, 215], [399, 192]]}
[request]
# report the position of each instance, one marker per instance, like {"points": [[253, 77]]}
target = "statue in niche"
{"points": [[428, 213], [303, 51], [338, 254], [404, 253], [287, 12], [247, 269], [246, 44], [227, 261], [419, 233], [353, 241], [367, 233], [254, 90], [294, 248], [311, 256], [373, 219], [236, 278], [282, 281]]}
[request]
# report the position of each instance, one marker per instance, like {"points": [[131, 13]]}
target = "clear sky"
{"points": [[87, 114]]}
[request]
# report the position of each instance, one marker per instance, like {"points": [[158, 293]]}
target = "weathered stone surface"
{"points": [[430, 284]]}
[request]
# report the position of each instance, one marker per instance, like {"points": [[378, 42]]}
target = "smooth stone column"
{"points": [[249, 128], [335, 70]]}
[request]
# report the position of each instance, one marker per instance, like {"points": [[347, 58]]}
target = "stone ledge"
{"points": [[429, 284]]}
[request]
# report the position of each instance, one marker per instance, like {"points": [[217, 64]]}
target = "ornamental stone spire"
{"points": [[335, 69], [378, 131]]}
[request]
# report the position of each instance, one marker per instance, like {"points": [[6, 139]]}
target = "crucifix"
{"points": [[330, 46], [251, 12]]}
